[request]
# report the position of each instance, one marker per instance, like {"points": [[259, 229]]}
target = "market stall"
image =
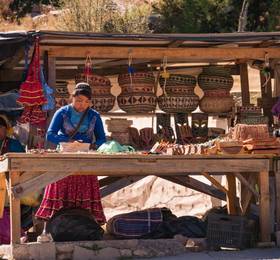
{"points": [[142, 66]]}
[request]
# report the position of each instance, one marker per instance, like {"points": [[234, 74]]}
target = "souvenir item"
{"points": [[137, 94], [216, 83], [178, 94], [102, 99]]}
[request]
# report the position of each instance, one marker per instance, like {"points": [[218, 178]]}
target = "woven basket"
{"points": [[215, 78], [137, 94], [100, 86], [178, 104], [103, 103], [137, 103], [216, 104]]}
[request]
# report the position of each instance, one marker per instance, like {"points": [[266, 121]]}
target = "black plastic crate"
{"points": [[230, 231]]}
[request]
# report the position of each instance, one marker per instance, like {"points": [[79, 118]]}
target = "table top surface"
{"points": [[131, 156]]}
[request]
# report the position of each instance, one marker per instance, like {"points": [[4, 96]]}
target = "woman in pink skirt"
{"points": [[75, 122]]}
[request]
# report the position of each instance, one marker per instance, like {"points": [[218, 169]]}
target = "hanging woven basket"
{"points": [[178, 104], [178, 84], [102, 99], [103, 103], [215, 77], [178, 94], [137, 94]]}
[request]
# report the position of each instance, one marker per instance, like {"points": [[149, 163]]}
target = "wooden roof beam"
{"points": [[159, 53], [175, 44]]}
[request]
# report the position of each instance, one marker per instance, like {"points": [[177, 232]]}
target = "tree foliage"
{"points": [[16, 9], [205, 16], [103, 16]]}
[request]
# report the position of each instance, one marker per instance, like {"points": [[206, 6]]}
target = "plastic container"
{"points": [[230, 231]]}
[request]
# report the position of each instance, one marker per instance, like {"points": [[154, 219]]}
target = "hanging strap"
{"points": [[79, 124]]}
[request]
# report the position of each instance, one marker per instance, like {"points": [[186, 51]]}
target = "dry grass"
{"points": [[43, 22]]}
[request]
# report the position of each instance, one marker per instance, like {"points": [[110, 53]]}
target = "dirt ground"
{"points": [[269, 253]]}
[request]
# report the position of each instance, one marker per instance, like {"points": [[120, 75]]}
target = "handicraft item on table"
{"points": [[216, 83], [119, 128], [199, 124]]}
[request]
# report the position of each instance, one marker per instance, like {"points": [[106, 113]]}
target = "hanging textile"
{"points": [[31, 90], [48, 91], [31, 94]]}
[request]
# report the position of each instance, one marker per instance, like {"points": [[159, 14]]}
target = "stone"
{"points": [[108, 253], [83, 253], [141, 253], [45, 251], [196, 244], [181, 239], [64, 248], [123, 244], [126, 252]]}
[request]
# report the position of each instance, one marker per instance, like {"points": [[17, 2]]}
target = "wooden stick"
{"points": [[231, 183], [214, 182], [14, 209], [247, 184], [265, 207], [2, 193]]}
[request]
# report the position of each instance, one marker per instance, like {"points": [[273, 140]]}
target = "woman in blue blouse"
{"points": [[77, 191]]}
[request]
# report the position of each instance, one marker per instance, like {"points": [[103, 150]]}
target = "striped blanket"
{"points": [[135, 224]]}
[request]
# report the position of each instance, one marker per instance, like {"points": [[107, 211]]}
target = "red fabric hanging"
{"points": [[33, 115], [31, 90]]}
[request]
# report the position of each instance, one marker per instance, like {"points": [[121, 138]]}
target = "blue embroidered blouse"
{"points": [[65, 121]]}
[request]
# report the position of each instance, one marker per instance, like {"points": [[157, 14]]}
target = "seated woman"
{"points": [[75, 122]]}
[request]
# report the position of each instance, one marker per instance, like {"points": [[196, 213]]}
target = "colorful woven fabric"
{"points": [[31, 90], [135, 224], [33, 115], [72, 192], [48, 92]]}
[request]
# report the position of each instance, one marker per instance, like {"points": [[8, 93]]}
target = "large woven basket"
{"points": [[214, 77], [178, 80], [216, 104], [137, 103], [178, 104], [103, 103], [137, 94], [100, 85]]}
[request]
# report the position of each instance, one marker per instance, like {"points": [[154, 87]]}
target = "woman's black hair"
{"points": [[82, 88], [3, 122]]}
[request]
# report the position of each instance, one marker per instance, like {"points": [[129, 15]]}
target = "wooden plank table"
{"points": [[28, 172]]}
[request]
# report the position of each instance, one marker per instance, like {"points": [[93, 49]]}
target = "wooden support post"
{"points": [[244, 80], [277, 184], [265, 224], [231, 194], [276, 92], [266, 91], [119, 184], [51, 69], [247, 191], [194, 184], [14, 209], [215, 182], [2, 193]]}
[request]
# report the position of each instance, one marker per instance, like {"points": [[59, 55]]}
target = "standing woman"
{"points": [[79, 122]]}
